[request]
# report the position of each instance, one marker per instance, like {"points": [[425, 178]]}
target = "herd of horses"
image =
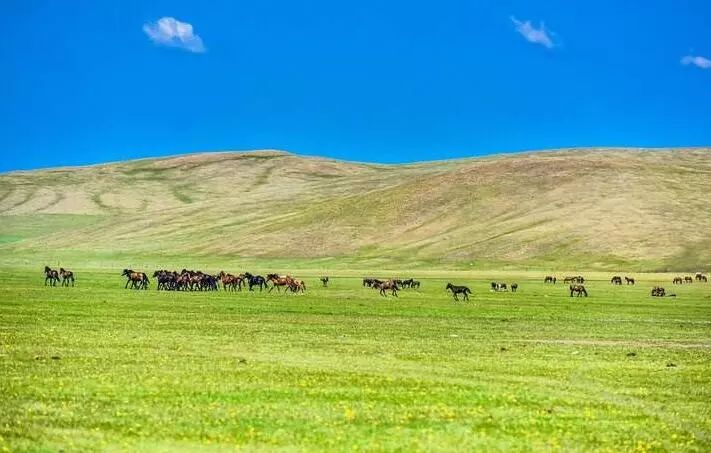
{"points": [[393, 284], [699, 277], [53, 276], [189, 280]]}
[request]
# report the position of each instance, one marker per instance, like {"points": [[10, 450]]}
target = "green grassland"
{"points": [[97, 367]]}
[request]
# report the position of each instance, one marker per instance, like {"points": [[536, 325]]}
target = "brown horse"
{"points": [[67, 276], [678, 280], [658, 291], [51, 276], [278, 281], [688, 279], [233, 282], [549, 279], [138, 280], [297, 285], [388, 284]]}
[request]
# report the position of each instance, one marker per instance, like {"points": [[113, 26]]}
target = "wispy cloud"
{"points": [[699, 61], [535, 35], [168, 31]]}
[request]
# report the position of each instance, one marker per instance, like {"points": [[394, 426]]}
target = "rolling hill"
{"points": [[583, 208]]}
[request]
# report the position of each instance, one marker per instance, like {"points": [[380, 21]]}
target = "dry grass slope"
{"points": [[597, 208]]}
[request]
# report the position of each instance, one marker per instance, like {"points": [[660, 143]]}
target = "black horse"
{"points": [[67, 276], [324, 280], [255, 280], [458, 290], [51, 276]]}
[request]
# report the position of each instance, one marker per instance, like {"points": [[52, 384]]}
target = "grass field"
{"points": [[97, 367]]}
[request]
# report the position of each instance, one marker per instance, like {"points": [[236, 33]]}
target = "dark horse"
{"points": [[51, 276], [324, 280], [658, 291], [458, 290], [549, 279], [67, 276], [678, 280], [578, 290], [629, 280], [255, 280], [616, 280], [138, 280]]}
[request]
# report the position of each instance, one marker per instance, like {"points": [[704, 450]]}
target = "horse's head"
{"points": [[127, 272], [47, 269]]}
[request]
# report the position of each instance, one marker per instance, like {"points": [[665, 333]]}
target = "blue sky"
{"points": [[94, 81]]}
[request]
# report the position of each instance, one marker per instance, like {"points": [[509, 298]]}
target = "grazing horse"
{"points": [[514, 287], [51, 276], [324, 280], [704, 279], [678, 280], [658, 291], [458, 290], [629, 280], [549, 279], [67, 276], [498, 287], [688, 279], [138, 280], [415, 284], [578, 290], [616, 280]]}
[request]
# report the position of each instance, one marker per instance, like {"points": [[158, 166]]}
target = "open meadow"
{"points": [[100, 367]]}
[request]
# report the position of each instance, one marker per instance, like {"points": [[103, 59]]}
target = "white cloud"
{"points": [[535, 35], [168, 31], [701, 62]]}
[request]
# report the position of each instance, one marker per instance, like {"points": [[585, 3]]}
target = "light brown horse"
{"points": [[296, 286]]}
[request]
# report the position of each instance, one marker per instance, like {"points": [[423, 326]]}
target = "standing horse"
{"points": [[51, 276], [389, 284], [688, 279], [514, 287], [324, 280], [616, 280], [678, 280], [67, 276], [629, 280], [458, 290], [549, 279]]}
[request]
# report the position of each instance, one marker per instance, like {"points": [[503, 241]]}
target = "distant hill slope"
{"points": [[596, 208]]}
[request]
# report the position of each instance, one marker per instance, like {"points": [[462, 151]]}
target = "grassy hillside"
{"points": [[605, 209]]}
